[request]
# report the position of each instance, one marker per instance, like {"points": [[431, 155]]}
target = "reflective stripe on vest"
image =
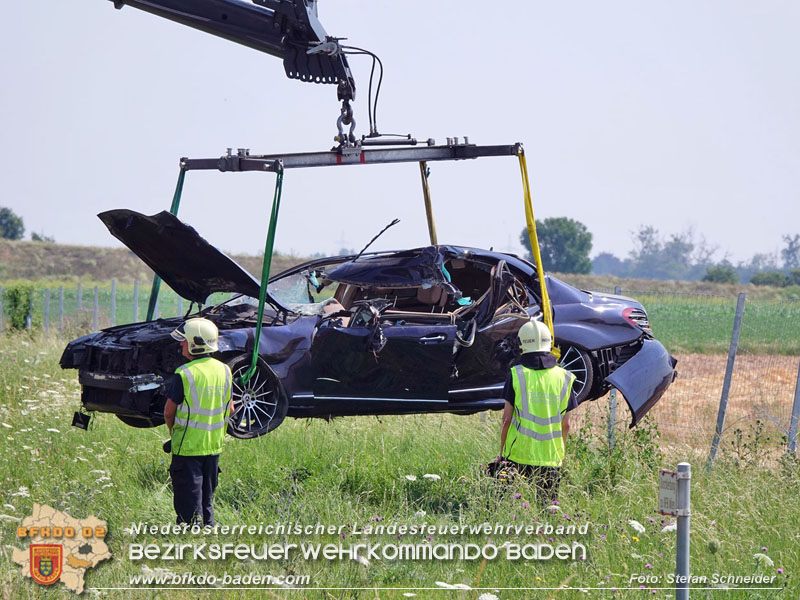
{"points": [[541, 397], [201, 417]]}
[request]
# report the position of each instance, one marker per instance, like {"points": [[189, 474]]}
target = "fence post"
{"points": [[135, 300], [113, 302], [612, 400], [95, 322], [29, 316], [80, 295], [60, 307], [684, 519], [47, 310], [795, 416], [726, 384]]}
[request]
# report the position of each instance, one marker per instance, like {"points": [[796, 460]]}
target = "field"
{"points": [[354, 472]]}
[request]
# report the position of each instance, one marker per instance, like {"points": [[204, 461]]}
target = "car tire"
{"points": [[261, 405], [578, 362]]}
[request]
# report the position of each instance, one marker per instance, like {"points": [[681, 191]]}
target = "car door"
{"points": [[381, 360]]}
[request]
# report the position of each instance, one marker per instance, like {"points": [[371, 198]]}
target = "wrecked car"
{"points": [[425, 330]]}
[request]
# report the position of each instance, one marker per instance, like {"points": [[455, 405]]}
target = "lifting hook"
{"points": [[346, 118]]}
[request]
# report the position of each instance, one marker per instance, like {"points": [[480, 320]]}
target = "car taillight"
{"points": [[638, 318]]}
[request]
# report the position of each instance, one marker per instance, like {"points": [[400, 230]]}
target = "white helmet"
{"points": [[200, 334], [534, 336]]}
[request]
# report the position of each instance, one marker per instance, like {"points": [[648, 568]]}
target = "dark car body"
{"points": [[431, 329]]}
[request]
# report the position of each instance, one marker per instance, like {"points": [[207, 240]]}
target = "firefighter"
{"points": [[197, 409], [538, 395]]}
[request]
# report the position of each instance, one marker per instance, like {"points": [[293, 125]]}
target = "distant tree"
{"points": [[794, 277], [791, 253], [773, 278], [606, 263], [41, 237], [721, 274], [564, 243], [11, 225], [653, 258]]}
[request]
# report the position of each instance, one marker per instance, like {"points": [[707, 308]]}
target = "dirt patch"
{"points": [[762, 387]]}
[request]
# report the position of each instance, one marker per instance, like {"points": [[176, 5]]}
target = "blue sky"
{"points": [[677, 115]]}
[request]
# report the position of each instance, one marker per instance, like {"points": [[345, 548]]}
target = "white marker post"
{"points": [[674, 499]]}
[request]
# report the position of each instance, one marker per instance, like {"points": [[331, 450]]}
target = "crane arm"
{"points": [[287, 29]]}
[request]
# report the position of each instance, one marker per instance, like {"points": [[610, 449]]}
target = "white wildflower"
{"points": [[670, 527], [431, 476], [488, 596], [107, 485], [103, 478], [763, 560], [461, 586], [96, 471], [8, 518], [362, 560], [7, 425], [420, 513], [411, 477], [447, 586], [23, 491], [53, 429], [409, 594], [636, 526], [9, 507]]}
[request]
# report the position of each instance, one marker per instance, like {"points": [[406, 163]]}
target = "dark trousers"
{"points": [[546, 480], [194, 479]]}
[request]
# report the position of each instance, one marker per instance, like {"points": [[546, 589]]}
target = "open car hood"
{"points": [[179, 255], [397, 270]]}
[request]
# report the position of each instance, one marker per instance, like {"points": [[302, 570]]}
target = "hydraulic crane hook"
{"points": [[346, 118]]}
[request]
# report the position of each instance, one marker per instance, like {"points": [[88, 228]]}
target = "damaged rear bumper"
{"points": [[644, 378]]}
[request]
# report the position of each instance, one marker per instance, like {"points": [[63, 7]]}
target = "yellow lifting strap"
{"points": [[426, 195], [537, 255]]}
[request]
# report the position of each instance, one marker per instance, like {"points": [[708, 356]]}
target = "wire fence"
{"points": [[762, 397], [763, 369]]}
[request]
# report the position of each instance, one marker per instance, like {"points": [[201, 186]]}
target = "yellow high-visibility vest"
{"points": [[201, 417], [540, 399]]}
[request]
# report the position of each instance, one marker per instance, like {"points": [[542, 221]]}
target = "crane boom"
{"points": [[287, 29]]}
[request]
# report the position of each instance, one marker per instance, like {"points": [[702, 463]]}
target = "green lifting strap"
{"points": [[176, 202], [262, 295]]}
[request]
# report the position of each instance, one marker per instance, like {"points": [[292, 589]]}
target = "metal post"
{"points": [[155, 311], [684, 520], [426, 195], [47, 310], [726, 384], [795, 416], [60, 307], [135, 300], [95, 322], [113, 302], [612, 401], [29, 316], [80, 295]]}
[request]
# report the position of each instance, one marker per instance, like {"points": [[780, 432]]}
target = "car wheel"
{"points": [[579, 363], [260, 405]]}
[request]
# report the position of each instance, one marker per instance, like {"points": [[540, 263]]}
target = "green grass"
{"points": [[353, 470]]}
